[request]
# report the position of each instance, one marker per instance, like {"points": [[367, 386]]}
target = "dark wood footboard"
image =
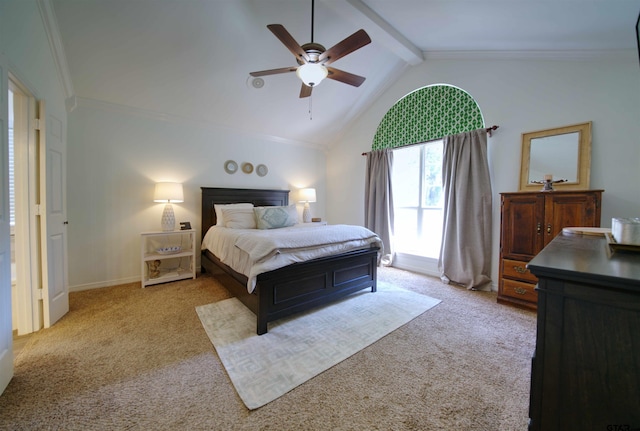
{"points": [[301, 286]]}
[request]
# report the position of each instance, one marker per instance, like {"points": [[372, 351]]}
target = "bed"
{"points": [[296, 287]]}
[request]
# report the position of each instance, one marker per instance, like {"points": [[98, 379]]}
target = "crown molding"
{"points": [[50, 23], [568, 55]]}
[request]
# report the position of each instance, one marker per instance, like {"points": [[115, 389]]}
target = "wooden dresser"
{"points": [[529, 221], [586, 367]]}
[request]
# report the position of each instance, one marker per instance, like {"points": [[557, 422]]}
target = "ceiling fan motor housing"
{"points": [[313, 50]]}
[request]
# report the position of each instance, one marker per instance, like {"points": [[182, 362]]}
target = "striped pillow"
{"points": [[239, 218], [218, 208]]}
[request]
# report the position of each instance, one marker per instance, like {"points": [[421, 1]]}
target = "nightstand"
{"points": [[167, 256]]}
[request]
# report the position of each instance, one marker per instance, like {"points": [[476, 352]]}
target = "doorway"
{"points": [[26, 309]]}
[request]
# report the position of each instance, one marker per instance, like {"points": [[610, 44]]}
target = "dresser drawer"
{"points": [[518, 270], [519, 290]]}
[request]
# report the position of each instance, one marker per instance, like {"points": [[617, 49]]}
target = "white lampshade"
{"points": [[307, 195], [168, 192], [312, 74]]}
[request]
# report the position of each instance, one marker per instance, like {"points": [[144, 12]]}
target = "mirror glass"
{"points": [[549, 155], [563, 153]]}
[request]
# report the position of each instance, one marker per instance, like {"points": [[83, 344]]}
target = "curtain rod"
{"points": [[488, 129]]}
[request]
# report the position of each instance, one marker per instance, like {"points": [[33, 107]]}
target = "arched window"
{"points": [[427, 114], [414, 128]]}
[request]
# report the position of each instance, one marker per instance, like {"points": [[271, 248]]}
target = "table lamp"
{"points": [[168, 192], [306, 196]]}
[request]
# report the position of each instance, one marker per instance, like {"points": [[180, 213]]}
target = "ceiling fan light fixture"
{"points": [[312, 74]]}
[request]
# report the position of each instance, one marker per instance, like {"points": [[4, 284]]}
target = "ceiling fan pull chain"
{"points": [[310, 108]]}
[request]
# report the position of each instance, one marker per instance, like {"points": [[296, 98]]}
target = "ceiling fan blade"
{"points": [[285, 37], [356, 41], [305, 91], [346, 77], [273, 71]]}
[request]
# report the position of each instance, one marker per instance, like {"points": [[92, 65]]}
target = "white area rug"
{"points": [[263, 368]]}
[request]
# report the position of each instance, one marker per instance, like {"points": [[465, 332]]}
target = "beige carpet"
{"points": [[297, 348], [127, 358]]}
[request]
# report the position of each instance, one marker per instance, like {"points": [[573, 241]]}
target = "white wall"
{"points": [[519, 95], [117, 154], [25, 44]]}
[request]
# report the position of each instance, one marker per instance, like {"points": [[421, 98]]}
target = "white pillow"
{"points": [[220, 216], [239, 218], [276, 217]]}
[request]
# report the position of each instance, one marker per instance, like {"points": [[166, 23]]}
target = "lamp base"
{"points": [[306, 213], [168, 221]]}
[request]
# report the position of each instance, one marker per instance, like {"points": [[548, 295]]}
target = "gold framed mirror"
{"points": [[563, 153]]}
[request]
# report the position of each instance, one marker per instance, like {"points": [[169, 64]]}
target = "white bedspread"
{"points": [[254, 251]]}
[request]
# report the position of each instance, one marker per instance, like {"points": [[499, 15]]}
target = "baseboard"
{"points": [[100, 284], [109, 283]]}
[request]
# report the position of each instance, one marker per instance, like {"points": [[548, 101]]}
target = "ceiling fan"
{"points": [[313, 59]]}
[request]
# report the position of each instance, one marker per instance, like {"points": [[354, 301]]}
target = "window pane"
{"points": [[418, 199], [431, 232], [432, 175], [405, 224], [406, 177]]}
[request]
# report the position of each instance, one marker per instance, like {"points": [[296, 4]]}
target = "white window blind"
{"points": [[12, 193]]}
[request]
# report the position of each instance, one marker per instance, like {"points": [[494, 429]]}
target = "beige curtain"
{"points": [[465, 254], [378, 204]]}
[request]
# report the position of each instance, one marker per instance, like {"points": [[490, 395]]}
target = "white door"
{"points": [[6, 334], [27, 284], [53, 222]]}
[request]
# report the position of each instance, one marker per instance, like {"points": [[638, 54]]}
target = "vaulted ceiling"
{"points": [[190, 59]]}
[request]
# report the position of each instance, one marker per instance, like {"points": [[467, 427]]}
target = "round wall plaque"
{"points": [[230, 166]]}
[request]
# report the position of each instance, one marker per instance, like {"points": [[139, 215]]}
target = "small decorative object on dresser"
{"points": [[529, 221]]}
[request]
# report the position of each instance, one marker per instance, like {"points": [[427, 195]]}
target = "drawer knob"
{"points": [[520, 269], [520, 290]]}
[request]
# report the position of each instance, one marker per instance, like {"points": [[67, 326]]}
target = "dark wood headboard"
{"points": [[258, 197]]}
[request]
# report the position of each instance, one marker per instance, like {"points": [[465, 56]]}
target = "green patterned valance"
{"points": [[426, 114]]}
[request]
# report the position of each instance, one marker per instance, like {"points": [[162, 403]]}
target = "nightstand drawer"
{"points": [[519, 290], [518, 270]]}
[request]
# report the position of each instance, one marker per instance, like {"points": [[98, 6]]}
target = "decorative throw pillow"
{"points": [[239, 218], [276, 217], [220, 216]]}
